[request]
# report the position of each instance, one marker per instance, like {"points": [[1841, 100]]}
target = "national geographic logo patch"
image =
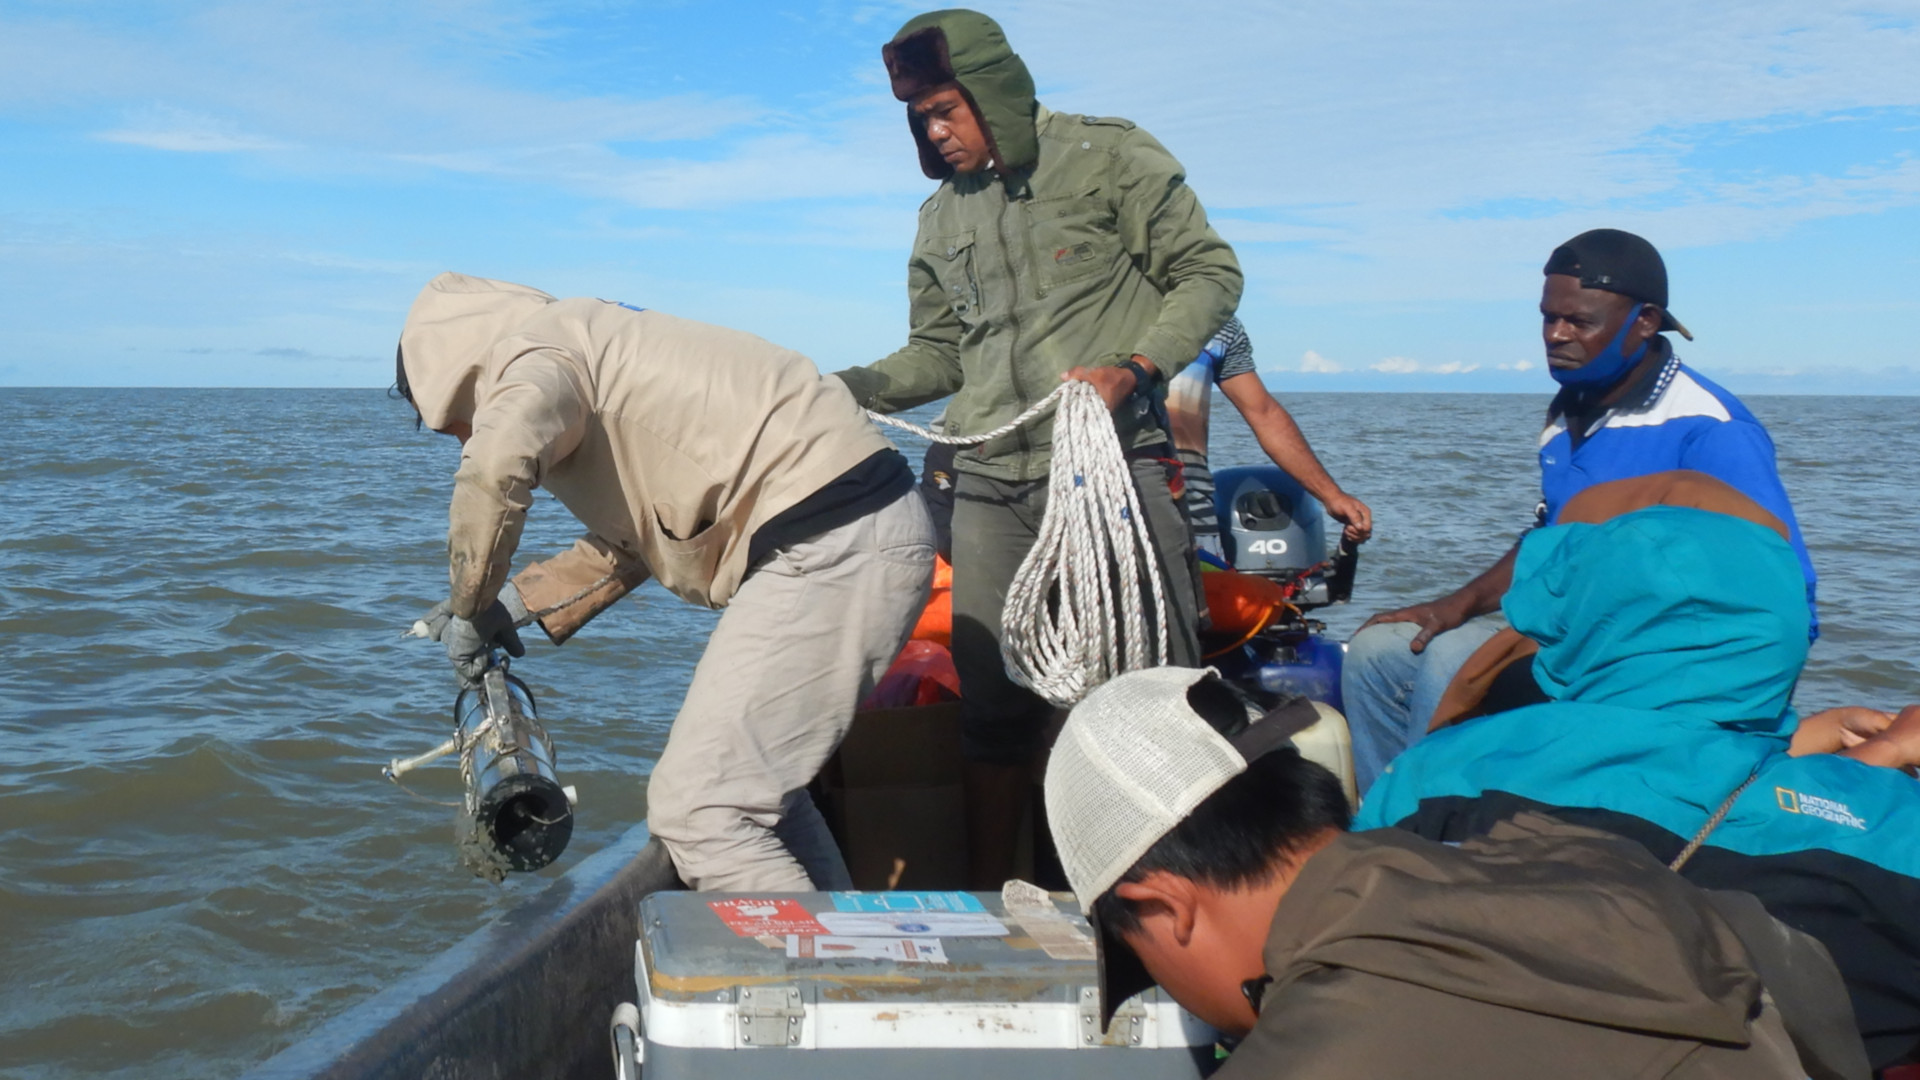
{"points": [[1814, 806]]}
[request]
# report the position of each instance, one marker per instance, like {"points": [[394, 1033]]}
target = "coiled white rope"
{"points": [[1076, 615]]}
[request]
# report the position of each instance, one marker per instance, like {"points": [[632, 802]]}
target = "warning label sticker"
{"points": [[898, 950], [776, 918]]}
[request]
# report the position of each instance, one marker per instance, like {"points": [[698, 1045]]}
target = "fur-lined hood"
{"points": [[970, 49]]}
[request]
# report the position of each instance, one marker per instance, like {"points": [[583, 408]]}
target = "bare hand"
{"points": [[1113, 383], [1433, 618], [1833, 730], [1896, 747], [1352, 513]]}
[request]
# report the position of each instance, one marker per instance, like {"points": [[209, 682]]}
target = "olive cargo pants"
{"points": [[995, 524]]}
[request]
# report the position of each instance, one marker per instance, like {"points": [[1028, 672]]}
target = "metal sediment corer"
{"points": [[516, 816]]}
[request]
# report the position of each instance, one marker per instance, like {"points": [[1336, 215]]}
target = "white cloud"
{"points": [[1400, 141], [355, 78], [1242, 231], [1365, 158], [164, 127], [1369, 133], [1400, 365]]}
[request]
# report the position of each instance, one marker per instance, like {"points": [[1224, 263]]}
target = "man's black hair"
{"points": [[1242, 834], [401, 388]]}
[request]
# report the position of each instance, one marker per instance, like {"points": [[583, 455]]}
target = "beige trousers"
{"points": [[805, 638]]}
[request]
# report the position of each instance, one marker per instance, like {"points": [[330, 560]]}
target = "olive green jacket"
{"points": [[1094, 253]]}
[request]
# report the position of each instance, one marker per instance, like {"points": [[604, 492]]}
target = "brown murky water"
{"points": [[200, 600]]}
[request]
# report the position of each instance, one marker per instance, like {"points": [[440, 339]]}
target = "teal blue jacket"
{"points": [[1670, 643]]}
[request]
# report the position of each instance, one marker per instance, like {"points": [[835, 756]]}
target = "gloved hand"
{"points": [[468, 640]]}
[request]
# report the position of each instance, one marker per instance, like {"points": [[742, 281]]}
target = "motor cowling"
{"points": [[1270, 526]]}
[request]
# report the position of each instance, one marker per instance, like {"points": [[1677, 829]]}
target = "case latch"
{"points": [[1129, 1021], [770, 1015]]}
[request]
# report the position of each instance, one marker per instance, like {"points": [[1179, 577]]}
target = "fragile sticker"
{"points": [[911, 924], [906, 901], [898, 950], [757, 918]]}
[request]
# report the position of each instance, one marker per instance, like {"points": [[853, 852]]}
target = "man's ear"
{"points": [[1647, 323], [1161, 896]]}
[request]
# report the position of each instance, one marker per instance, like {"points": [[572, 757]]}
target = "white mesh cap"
{"points": [[1131, 762]]}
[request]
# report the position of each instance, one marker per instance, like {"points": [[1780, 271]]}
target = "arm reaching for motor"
{"points": [[1284, 443]]}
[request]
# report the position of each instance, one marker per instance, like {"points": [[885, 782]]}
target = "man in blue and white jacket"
{"points": [[1627, 407]]}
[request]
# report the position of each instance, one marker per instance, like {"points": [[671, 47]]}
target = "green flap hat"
{"points": [[970, 50]]}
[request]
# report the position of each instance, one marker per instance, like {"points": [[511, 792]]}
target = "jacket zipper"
{"points": [[1025, 454]]}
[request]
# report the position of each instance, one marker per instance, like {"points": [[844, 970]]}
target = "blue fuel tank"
{"points": [[1306, 663]]}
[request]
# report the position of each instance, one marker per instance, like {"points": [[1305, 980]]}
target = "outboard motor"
{"points": [[1271, 528], [515, 816]]}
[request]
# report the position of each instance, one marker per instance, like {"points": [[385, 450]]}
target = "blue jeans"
{"points": [[1391, 691]]}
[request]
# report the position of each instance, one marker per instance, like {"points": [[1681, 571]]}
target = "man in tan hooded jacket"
{"points": [[717, 463]]}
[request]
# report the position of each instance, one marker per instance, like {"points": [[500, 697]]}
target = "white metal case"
{"points": [[717, 1000]]}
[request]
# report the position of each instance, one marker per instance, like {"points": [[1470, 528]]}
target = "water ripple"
{"points": [[201, 601]]}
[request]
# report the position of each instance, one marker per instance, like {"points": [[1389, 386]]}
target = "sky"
{"points": [[251, 194]]}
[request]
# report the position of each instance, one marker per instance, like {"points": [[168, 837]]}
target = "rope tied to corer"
{"points": [[1076, 613]]}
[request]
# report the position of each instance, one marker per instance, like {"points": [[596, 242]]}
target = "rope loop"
{"points": [[1077, 614]]}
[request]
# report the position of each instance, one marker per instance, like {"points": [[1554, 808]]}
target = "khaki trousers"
{"points": [[805, 638]]}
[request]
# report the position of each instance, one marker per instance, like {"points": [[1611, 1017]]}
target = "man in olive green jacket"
{"points": [[1057, 246]]}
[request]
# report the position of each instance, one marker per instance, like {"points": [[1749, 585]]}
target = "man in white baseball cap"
{"points": [[1214, 860]]}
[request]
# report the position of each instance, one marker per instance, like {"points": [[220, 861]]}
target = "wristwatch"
{"points": [[1142, 378]]}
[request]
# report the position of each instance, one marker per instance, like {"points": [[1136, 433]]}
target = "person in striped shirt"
{"points": [[1226, 361]]}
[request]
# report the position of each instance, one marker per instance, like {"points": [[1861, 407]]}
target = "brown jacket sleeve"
{"points": [[566, 591], [534, 416]]}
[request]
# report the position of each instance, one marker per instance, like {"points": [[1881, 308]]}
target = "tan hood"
{"points": [[450, 332], [672, 441]]}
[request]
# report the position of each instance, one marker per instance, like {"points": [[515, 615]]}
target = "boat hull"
{"points": [[530, 994]]}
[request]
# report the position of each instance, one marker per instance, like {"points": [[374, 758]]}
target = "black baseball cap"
{"points": [[1618, 262]]}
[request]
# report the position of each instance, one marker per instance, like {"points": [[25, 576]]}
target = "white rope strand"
{"points": [[1076, 615]]}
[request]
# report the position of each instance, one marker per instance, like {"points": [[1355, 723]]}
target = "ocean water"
{"points": [[201, 599]]}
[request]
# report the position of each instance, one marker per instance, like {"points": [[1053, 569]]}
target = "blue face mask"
{"points": [[1608, 367]]}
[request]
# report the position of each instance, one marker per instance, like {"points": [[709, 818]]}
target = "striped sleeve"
{"points": [[1231, 350]]}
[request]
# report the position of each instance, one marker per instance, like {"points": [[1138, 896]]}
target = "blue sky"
{"points": [[251, 194]]}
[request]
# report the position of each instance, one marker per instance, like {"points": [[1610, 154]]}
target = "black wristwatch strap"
{"points": [[1142, 378]]}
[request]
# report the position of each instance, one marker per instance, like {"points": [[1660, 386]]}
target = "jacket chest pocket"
{"points": [[1072, 238], [952, 259]]}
